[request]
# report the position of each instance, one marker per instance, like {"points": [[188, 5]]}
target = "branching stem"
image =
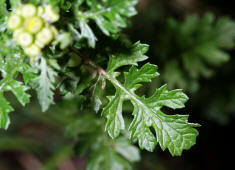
{"points": [[101, 71]]}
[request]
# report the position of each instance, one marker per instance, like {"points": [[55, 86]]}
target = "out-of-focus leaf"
{"points": [[16, 143], [198, 44], [3, 10], [106, 159], [128, 151], [15, 3]]}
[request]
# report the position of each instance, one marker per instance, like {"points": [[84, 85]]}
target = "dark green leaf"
{"points": [[200, 43]]}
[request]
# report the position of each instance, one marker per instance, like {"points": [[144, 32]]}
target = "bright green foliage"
{"points": [[110, 16], [199, 44], [4, 110], [74, 73], [11, 63], [172, 131], [44, 85], [9, 67], [136, 55]]}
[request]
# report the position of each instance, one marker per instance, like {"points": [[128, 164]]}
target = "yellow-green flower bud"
{"points": [[14, 22], [32, 51], [17, 32], [39, 44], [18, 11], [24, 39], [40, 11], [54, 31], [50, 14], [33, 24], [32, 28], [45, 36], [28, 10]]}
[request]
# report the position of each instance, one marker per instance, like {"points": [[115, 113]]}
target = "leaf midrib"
{"points": [[114, 81]]}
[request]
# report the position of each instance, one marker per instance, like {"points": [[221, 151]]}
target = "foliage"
{"points": [[72, 68], [172, 132], [12, 63], [194, 47], [106, 153], [109, 17]]}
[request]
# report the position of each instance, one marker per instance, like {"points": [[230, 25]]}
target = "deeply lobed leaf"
{"points": [[10, 66], [44, 85], [110, 16], [171, 131]]}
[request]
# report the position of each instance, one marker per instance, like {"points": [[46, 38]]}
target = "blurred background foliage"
{"points": [[192, 42]]}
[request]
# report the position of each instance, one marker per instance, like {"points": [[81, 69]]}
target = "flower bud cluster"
{"points": [[32, 27]]}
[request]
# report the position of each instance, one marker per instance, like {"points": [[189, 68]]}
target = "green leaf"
{"points": [[128, 151], [19, 90], [113, 113], [174, 99], [65, 40], [171, 131], [110, 16], [5, 108], [200, 43], [225, 33], [43, 84], [105, 153], [15, 3], [87, 33], [10, 66], [106, 159], [29, 73], [195, 66], [135, 55], [3, 10], [219, 56], [96, 101]]}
